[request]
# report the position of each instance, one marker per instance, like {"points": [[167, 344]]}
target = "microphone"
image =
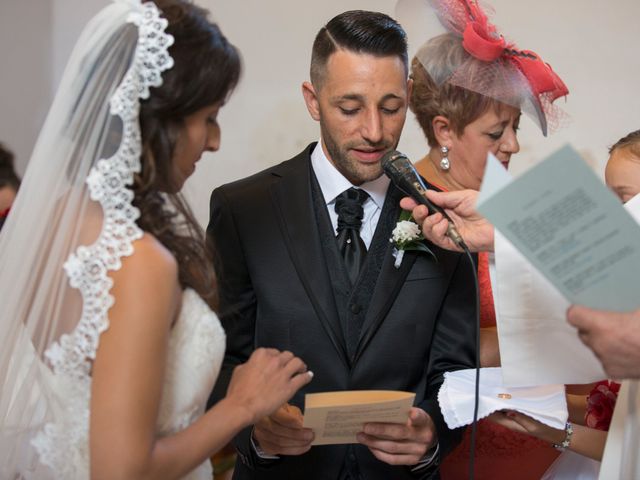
{"points": [[402, 173]]}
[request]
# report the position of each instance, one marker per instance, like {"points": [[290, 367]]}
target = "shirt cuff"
{"points": [[428, 459], [261, 453]]}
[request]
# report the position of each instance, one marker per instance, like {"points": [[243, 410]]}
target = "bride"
{"points": [[108, 344]]}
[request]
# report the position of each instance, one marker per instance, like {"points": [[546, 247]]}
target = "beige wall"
{"points": [[591, 45]]}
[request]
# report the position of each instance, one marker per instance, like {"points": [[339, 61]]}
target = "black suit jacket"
{"points": [[274, 291]]}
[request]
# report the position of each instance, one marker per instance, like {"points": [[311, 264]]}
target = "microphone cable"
{"points": [[402, 173], [458, 240], [476, 397]]}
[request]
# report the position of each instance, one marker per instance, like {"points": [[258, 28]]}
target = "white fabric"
{"points": [[196, 350], [456, 397], [572, 466], [620, 459], [332, 183], [194, 356]]}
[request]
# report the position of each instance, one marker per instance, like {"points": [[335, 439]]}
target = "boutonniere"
{"points": [[406, 236]]}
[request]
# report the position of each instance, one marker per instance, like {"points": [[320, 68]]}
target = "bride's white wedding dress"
{"points": [[195, 352]]}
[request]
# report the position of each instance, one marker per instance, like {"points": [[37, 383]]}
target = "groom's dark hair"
{"points": [[358, 31]]}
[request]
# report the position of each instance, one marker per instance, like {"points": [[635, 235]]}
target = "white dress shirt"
{"points": [[333, 183]]}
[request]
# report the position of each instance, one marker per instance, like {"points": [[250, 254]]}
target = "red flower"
{"points": [[4, 213], [600, 404]]}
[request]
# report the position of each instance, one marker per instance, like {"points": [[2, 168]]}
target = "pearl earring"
{"points": [[444, 162]]}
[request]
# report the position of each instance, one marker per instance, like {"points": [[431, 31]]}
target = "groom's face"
{"points": [[361, 104]]}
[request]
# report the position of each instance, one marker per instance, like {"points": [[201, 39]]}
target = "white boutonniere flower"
{"points": [[406, 236]]}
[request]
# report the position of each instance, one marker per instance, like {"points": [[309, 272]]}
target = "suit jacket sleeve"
{"points": [[453, 346], [237, 304]]}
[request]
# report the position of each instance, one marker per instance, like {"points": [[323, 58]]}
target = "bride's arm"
{"points": [[128, 374]]}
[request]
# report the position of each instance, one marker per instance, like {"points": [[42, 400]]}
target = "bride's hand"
{"points": [[266, 381]]}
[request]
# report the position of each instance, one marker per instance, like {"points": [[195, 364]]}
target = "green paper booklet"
{"points": [[567, 223]]}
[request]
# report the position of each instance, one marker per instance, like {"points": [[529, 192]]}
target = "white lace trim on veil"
{"points": [[60, 443]]}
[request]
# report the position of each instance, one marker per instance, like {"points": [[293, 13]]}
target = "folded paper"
{"points": [[336, 417]]}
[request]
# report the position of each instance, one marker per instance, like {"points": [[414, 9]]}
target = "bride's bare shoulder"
{"points": [[149, 250], [151, 271], [150, 258]]}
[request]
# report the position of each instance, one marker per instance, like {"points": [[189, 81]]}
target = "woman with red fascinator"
{"points": [[470, 86]]}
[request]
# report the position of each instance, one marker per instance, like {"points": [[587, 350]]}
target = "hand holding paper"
{"points": [[282, 433], [401, 444], [384, 421], [614, 338], [336, 417]]}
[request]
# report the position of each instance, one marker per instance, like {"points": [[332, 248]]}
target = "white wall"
{"points": [[591, 45], [68, 18], [25, 73]]}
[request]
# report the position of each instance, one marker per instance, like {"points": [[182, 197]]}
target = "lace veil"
{"points": [[71, 224]]}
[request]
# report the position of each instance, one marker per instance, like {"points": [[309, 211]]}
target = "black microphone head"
{"points": [[404, 176], [400, 170], [393, 163]]}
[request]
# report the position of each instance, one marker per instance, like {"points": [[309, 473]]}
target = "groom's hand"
{"points": [[282, 432], [398, 444]]}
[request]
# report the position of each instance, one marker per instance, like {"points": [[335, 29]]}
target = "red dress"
{"points": [[500, 452]]}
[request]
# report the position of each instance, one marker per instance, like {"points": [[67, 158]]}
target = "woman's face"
{"points": [[200, 132], [494, 131], [622, 174]]}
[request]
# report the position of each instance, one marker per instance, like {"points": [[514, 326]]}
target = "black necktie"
{"points": [[349, 209]]}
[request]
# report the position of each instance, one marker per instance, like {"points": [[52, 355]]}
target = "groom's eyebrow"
{"points": [[361, 98]]}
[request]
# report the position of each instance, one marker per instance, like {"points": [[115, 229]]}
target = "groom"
{"points": [[305, 264]]}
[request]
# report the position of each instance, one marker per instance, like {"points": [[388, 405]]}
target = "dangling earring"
{"points": [[444, 162]]}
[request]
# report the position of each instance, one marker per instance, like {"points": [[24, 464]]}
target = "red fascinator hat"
{"points": [[489, 65]]}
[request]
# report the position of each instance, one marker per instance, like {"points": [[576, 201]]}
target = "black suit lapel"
{"points": [[294, 209], [390, 278]]}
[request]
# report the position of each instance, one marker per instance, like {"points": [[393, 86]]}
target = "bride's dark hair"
{"points": [[206, 69]]}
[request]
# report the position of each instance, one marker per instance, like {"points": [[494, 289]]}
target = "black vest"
{"points": [[353, 302]]}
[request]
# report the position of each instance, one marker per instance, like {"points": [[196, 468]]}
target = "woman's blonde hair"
{"points": [[432, 95]]}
